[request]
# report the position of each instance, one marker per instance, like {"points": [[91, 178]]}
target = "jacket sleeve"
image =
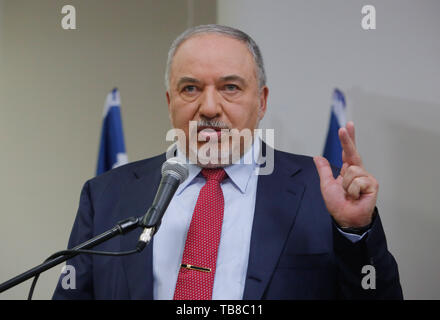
{"points": [[77, 282], [366, 269]]}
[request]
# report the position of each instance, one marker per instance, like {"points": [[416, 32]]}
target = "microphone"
{"points": [[174, 172]]}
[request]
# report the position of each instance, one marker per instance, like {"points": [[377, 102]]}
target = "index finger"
{"points": [[351, 155], [350, 130]]}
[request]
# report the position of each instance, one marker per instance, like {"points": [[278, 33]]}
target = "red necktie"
{"points": [[196, 275]]}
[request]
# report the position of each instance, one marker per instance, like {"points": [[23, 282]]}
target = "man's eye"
{"points": [[189, 89], [231, 87]]}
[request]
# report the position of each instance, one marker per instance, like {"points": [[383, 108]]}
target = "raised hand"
{"points": [[351, 197]]}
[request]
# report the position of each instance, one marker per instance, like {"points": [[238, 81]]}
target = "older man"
{"points": [[230, 233]]}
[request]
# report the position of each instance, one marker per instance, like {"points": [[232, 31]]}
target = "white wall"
{"points": [[54, 84], [391, 78]]}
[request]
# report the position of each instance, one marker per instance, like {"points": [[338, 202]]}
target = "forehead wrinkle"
{"points": [[211, 41]]}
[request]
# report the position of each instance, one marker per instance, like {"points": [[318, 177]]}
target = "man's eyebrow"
{"points": [[186, 80], [233, 77]]}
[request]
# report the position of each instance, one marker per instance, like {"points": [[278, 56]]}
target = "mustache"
{"points": [[214, 124]]}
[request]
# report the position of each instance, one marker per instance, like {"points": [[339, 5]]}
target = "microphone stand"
{"points": [[121, 228]]}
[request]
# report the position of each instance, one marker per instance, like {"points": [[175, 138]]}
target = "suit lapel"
{"points": [[278, 199], [277, 203], [137, 199]]}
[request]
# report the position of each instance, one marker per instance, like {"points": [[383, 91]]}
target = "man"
{"points": [[304, 231]]}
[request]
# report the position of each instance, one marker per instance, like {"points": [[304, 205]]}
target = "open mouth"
{"points": [[206, 133]]}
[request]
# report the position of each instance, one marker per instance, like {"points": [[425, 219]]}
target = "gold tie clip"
{"points": [[190, 267]]}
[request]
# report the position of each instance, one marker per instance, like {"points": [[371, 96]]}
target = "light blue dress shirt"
{"points": [[239, 191]]}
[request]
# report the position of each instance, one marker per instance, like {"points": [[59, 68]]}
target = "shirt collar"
{"points": [[239, 172]]}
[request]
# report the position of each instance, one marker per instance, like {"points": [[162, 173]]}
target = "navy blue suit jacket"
{"points": [[295, 252]]}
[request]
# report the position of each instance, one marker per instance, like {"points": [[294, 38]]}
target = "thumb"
{"points": [[324, 170]]}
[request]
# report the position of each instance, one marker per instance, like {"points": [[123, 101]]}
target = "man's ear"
{"points": [[168, 99], [264, 93], [169, 104]]}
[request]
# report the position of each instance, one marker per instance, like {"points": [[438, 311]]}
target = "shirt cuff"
{"points": [[351, 236]]}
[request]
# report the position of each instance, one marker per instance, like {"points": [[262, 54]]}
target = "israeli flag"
{"points": [[112, 152], [338, 119]]}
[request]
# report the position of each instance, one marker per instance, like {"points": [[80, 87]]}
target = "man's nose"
{"points": [[210, 104]]}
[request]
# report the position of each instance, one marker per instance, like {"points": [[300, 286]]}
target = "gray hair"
{"points": [[223, 30]]}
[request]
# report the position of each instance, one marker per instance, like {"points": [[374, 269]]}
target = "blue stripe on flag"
{"points": [[112, 147], [333, 148]]}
